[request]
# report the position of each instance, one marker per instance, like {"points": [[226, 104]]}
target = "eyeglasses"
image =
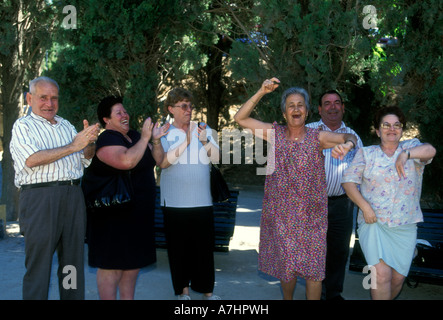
{"points": [[397, 125], [185, 106]]}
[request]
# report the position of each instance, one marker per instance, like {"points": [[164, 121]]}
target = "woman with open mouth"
{"points": [[294, 218], [120, 236]]}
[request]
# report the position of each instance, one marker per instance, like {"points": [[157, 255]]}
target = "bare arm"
{"points": [[122, 158], [89, 150], [341, 142], [356, 197], [173, 154], [157, 150], [242, 117], [424, 152], [212, 151]]}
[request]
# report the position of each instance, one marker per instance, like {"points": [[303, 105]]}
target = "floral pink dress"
{"points": [[294, 219]]}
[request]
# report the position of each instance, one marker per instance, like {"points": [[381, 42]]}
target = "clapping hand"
{"points": [[158, 132], [202, 133], [91, 131], [88, 135]]}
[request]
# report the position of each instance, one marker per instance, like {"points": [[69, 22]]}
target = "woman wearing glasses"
{"points": [[390, 177], [186, 198]]}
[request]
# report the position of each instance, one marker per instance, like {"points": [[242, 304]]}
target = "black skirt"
{"points": [[121, 238]]}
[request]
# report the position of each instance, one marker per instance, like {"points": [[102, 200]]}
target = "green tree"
{"points": [[322, 45], [24, 29], [318, 45], [409, 73], [141, 49], [118, 48]]}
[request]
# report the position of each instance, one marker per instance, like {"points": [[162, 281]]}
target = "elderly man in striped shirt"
{"points": [[49, 158], [340, 208]]}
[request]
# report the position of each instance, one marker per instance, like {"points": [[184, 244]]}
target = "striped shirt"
{"points": [[33, 133], [335, 167]]}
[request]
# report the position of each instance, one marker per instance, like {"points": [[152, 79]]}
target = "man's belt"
{"points": [[75, 182]]}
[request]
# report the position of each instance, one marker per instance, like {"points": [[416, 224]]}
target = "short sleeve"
{"points": [[354, 172], [23, 144], [111, 138], [412, 143]]}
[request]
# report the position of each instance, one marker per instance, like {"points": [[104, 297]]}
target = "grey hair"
{"points": [[294, 90], [34, 82]]}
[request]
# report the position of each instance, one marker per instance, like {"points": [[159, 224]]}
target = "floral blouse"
{"points": [[395, 200]]}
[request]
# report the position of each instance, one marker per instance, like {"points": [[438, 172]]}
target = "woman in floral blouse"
{"points": [[390, 177]]}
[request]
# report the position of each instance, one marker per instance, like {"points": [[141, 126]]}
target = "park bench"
{"points": [[427, 265], [224, 222]]}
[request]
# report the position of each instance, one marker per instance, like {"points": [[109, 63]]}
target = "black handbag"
{"points": [[106, 191], [219, 189]]}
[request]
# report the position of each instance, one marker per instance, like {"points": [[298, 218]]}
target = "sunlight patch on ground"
{"points": [[13, 228], [246, 210], [245, 238]]}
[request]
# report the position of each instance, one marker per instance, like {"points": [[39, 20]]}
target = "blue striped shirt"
{"points": [[334, 168], [33, 133]]}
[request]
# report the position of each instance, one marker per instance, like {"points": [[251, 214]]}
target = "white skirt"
{"points": [[394, 245]]}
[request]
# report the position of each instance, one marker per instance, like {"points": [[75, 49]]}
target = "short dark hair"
{"points": [[329, 92], [176, 95], [104, 108], [384, 111]]}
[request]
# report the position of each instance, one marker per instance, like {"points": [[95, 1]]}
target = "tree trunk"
{"points": [[11, 101], [11, 80], [20, 55], [216, 89]]}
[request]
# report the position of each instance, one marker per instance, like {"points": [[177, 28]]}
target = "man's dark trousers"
{"points": [[340, 224], [53, 219]]}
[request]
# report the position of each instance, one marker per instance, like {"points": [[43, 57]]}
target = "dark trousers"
{"points": [[53, 219], [340, 223], [190, 245]]}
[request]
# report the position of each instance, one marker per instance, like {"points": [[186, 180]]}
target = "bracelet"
{"points": [[409, 153], [353, 144], [156, 142]]}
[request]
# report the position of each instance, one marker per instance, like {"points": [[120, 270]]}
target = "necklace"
{"points": [[300, 136]]}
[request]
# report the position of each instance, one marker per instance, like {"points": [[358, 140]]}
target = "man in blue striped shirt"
{"points": [[49, 157], [340, 208]]}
